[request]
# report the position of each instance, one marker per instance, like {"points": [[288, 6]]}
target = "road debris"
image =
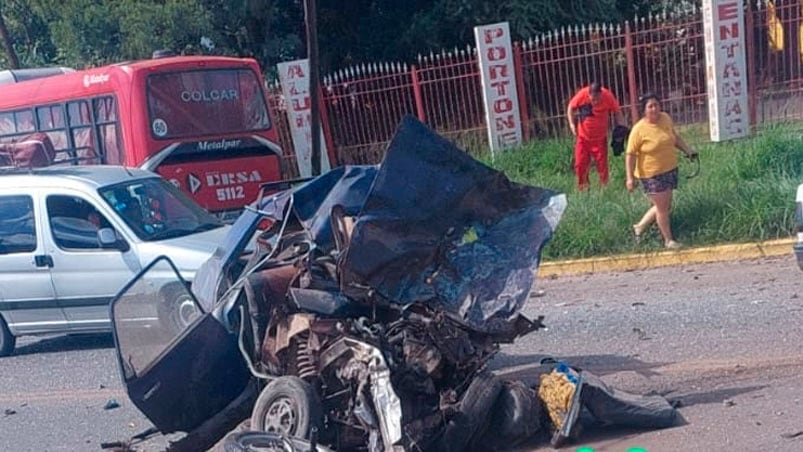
{"points": [[792, 435]]}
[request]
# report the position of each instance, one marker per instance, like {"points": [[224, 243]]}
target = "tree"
{"points": [[82, 33], [8, 43]]}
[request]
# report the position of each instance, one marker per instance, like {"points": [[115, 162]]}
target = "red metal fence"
{"points": [[663, 54]]}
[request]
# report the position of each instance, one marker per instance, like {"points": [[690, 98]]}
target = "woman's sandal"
{"points": [[673, 245], [636, 233]]}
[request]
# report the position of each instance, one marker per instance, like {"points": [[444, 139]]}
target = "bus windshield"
{"points": [[205, 102]]}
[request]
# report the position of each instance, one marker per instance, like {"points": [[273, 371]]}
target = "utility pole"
{"points": [[310, 16], [8, 44]]}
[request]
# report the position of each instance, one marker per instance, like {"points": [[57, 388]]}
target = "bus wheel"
{"points": [[7, 340]]}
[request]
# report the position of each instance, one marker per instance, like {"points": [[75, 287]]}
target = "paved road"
{"points": [[53, 394], [723, 339]]}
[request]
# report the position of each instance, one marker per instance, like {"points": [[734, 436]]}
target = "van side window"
{"points": [[17, 226], [74, 222]]}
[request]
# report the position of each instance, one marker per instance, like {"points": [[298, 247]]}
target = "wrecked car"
{"points": [[359, 308]]}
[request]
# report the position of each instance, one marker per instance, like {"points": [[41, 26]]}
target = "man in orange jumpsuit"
{"points": [[588, 115]]}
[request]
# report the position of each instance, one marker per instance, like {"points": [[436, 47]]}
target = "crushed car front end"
{"points": [[366, 303]]}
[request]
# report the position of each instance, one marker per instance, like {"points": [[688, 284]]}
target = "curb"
{"points": [[629, 262]]}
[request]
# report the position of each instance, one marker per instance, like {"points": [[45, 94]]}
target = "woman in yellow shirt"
{"points": [[651, 159]]}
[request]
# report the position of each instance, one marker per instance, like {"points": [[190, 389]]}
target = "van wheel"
{"points": [[177, 310], [7, 340], [288, 405]]}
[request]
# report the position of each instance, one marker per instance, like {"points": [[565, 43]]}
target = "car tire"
{"points": [[177, 309], [260, 441], [7, 340], [288, 405], [516, 417], [471, 422]]}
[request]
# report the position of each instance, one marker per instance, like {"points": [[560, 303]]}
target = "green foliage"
{"points": [[30, 32], [745, 192], [99, 38], [83, 33]]}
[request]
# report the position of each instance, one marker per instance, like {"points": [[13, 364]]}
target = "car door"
{"points": [[177, 378], [86, 275], [27, 296]]}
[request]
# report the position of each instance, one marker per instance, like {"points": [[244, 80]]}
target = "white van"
{"points": [[72, 236]]}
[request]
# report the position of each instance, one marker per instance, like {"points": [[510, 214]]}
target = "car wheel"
{"points": [[177, 310], [288, 405], [259, 441], [470, 423], [516, 417], [7, 340]]}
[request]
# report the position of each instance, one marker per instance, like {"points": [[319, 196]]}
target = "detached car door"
{"points": [[177, 378]]}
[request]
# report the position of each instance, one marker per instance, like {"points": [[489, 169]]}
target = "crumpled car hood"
{"points": [[433, 226], [441, 228]]}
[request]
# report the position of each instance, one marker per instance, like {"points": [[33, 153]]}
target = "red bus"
{"points": [[201, 122]]}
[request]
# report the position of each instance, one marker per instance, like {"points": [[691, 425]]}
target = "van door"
{"points": [[85, 274], [27, 297]]}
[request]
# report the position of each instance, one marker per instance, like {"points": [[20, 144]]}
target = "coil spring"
{"points": [[305, 362]]}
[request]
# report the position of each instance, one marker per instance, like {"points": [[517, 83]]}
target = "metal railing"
{"points": [[663, 54]]}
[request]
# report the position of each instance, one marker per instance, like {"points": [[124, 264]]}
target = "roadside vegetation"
{"points": [[743, 193]]}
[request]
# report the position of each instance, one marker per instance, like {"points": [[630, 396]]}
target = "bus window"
{"points": [[84, 145], [105, 109], [111, 146], [60, 144], [79, 113], [205, 102], [7, 126], [51, 121], [254, 101], [50, 117], [17, 122], [24, 121], [80, 119]]}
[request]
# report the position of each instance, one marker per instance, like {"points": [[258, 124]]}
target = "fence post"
{"points": [[419, 100], [631, 73], [523, 111], [327, 128], [752, 71]]}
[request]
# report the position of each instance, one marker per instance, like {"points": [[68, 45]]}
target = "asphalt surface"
{"points": [[723, 339]]}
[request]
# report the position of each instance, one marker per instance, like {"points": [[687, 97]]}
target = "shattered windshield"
{"points": [[156, 210]]}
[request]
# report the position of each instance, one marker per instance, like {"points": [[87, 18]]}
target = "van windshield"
{"points": [[156, 210]]}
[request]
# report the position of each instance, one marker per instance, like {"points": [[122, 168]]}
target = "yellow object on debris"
{"points": [[470, 236], [556, 392]]}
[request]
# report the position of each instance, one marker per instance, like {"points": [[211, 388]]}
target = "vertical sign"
{"points": [[294, 78], [726, 71], [498, 75]]}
